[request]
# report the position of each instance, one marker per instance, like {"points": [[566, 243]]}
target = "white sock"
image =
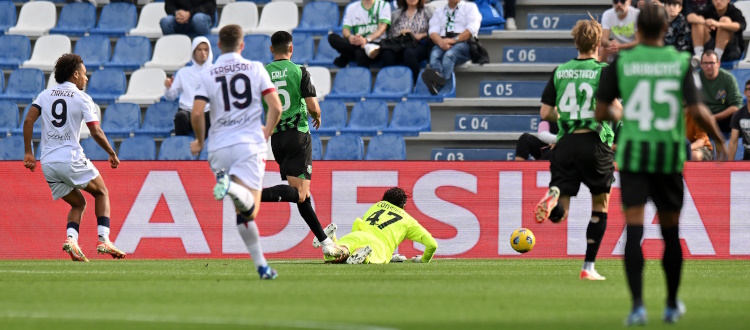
{"points": [[719, 52], [103, 233], [588, 265], [249, 233], [72, 233], [698, 50], [241, 197], [327, 241]]}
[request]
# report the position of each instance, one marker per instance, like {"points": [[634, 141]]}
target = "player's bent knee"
{"points": [[725, 19]]}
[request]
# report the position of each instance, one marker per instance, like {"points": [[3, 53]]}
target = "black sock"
{"points": [[557, 214], [280, 193], [102, 221], [594, 234], [634, 263], [306, 211], [672, 262]]}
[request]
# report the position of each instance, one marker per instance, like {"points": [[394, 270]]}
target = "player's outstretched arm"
{"points": [[274, 112], [417, 233], [98, 135], [28, 129], [198, 121]]}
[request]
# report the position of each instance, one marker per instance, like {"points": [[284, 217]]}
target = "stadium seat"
{"points": [[24, 85], [422, 93], [257, 48], [213, 39], [159, 119], [94, 51], [325, 54], [106, 85], [334, 113], [130, 53], [351, 84], [386, 147], [146, 86], [410, 118], [304, 48], [392, 84], [176, 148], [116, 19], [51, 82], [7, 16], [345, 147], [437, 4], [8, 117], [76, 19], [37, 129], [744, 7], [11, 148], [93, 151], [121, 119], [737, 156], [317, 148], [368, 117], [47, 49], [321, 79], [277, 16], [148, 22], [137, 148], [171, 53], [35, 19], [203, 155], [14, 50], [319, 18], [244, 14]]}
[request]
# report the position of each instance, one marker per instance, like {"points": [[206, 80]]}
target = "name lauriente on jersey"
{"points": [[577, 74], [655, 69]]}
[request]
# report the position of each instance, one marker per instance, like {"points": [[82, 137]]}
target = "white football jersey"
{"points": [[235, 87], [63, 109]]}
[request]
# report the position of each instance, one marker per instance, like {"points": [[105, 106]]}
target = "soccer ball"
{"points": [[522, 240]]}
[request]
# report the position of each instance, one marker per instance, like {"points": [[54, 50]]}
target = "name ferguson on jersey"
{"points": [[232, 67]]}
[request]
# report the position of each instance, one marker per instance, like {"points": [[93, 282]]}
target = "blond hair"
{"points": [[587, 35]]}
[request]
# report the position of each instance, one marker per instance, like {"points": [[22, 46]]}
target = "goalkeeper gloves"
{"points": [[417, 259]]}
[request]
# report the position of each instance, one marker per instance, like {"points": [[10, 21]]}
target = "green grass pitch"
{"points": [[445, 294]]}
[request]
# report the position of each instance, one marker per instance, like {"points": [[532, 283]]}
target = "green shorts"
{"points": [[360, 239]]}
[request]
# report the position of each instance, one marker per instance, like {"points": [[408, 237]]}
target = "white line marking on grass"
{"points": [[190, 320]]}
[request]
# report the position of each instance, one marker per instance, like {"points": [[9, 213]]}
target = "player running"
{"points": [[237, 149], [653, 82], [291, 140], [65, 166], [583, 151]]}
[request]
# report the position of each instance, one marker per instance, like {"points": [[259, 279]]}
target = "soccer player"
{"points": [[237, 148], [384, 227], [583, 151], [653, 82], [65, 167], [291, 140]]}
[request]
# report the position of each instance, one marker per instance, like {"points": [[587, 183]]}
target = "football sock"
{"points": [[306, 211], [557, 214], [241, 197], [102, 228], [719, 52], [326, 241], [634, 263], [73, 230], [672, 262], [698, 50], [594, 234], [249, 232], [280, 193]]}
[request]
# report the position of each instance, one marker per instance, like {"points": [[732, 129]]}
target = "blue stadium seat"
{"points": [[176, 148], [742, 76], [8, 117], [422, 93], [159, 119], [351, 84], [472, 154], [317, 148], [740, 150], [304, 48], [213, 39], [203, 155], [345, 147], [93, 151], [137, 148], [37, 129], [106, 85], [410, 118], [8, 15], [116, 19], [319, 18], [75, 19], [121, 119], [257, 48], [368, 117], [325, 54], [94, 51], [386, 147], [24, 85], [14, 50], [131, 53], [497, 123], [11, 148], [392, 84], [334, 113]]}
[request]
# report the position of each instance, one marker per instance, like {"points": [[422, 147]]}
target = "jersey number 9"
{"points": [[62, 117]]}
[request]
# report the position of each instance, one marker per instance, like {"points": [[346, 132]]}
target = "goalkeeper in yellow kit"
{"points": [[385, 225]]}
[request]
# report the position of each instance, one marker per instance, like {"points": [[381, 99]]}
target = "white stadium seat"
{"points": [[321, 78], [146, 86], [36, 19], [277, 16], [171, 53], [47, 50], [51, 83], [223, 2], [148, 22], [437, 4], [244, 14], [293, 1]]}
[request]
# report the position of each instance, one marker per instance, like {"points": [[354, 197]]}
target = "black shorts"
{"points": [[733, 50], [293, 152], [666, 190], [582, 158]]}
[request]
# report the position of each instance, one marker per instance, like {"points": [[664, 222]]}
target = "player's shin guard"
{"points": [[280, 193], [557, 214], [594, 234], [634, 263], [306, 211], [672, 262], [242, 197], [249, 232]]}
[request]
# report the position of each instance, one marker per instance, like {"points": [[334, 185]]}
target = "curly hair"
{"points": [[396, 196], [587, 34], [66, 65]]}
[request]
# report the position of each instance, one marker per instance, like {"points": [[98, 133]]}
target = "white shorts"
{"points": [[241, 161], [64, 177]]}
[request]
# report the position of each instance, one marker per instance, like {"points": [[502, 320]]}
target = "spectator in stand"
{"points": [[678, 33], [365, 22], [190, 17], [618, 24], [692, 6], [411, 18], [700, 145], [718, 26], [741, 125], [451, 28], [537, 146], [186, 83], [720, 92], [509, 7]]}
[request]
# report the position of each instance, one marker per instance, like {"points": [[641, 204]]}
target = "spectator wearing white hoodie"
{"points": [[184, 84]]}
